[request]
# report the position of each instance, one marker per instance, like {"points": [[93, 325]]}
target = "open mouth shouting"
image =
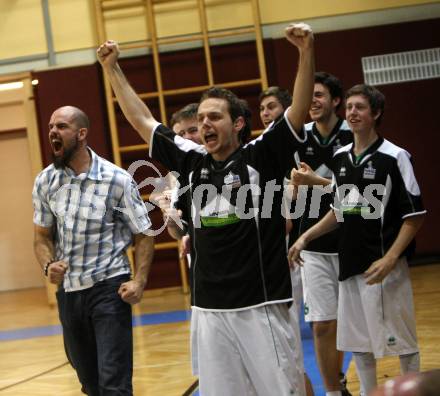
{"points": [[210, 138], [57, 146], [266, 122]]}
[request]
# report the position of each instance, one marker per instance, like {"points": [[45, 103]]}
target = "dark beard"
{"points": [[63, 161]]}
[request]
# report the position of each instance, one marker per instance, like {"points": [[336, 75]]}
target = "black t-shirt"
{"points": [[372, 195], [180, 202], [236, 226], [318, 154]]}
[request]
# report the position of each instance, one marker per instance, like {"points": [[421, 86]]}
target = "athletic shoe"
{"points": [[343, 381]]}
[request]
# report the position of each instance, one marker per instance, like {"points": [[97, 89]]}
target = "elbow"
{"points": [[174, 233], [420, 221], [35, 245], [143, 127], [416, 222], [38, 240]]}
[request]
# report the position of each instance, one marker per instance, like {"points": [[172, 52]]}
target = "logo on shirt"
{"points": [[342, 171], [369, 171], [309, 151], [353, 203], [391, 341], [204, 174], [232, 180], [337, 145], [219, 212], [306, 309]]}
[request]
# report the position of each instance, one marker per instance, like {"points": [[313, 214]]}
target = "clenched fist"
{"points": [[300, 35], [108, 53], [56, 271]]}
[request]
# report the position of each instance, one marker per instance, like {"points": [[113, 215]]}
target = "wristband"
{"points": [[46, 267]]}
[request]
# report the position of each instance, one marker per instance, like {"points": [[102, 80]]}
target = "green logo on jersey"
{"points": [[355, 210], [391, 341], [306, 309], [213, 221]]}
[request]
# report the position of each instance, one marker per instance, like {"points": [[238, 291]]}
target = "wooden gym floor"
{"points": [[33, 363]]}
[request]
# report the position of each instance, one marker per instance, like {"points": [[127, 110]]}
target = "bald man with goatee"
{"points": [[86, 211]]}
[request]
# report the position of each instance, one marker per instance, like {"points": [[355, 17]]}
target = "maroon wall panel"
{"points": [[410, 123], [77, 86], [340, 52]]}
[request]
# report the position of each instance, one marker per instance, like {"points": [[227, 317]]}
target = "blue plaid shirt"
{"points": [[95, 215]]}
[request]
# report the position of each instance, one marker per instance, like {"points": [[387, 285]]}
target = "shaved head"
{"points": [[78, 117]]}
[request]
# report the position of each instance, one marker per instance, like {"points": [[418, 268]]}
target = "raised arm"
{"points": [[301, 36], [134, 109]]}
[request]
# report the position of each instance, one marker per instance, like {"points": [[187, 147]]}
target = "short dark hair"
{"points": [[80, 118], [246, 131], [185, 113], [236, 108], [375, 98], [332, 83], [283, 95]]}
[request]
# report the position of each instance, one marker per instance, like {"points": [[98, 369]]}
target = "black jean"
{"points": [[98, 337]]}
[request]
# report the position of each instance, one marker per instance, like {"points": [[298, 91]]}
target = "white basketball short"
{"points": [[256, 351], [320, 286], [297, 289], [378, 318]]}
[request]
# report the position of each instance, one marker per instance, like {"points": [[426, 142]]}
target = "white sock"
{"points": [[366, 371], [409, 363], [333, 393]]}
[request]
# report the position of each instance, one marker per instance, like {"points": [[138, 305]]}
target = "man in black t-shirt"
{"points": [[176, 206], [274, 101], [324, 136], [243, 338], [378, 208]]}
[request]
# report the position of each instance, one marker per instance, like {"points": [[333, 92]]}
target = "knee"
{"points": [[324, 328], [364, 360]]}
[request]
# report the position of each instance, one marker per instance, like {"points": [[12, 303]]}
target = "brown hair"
{"points": [[375, 98]]}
